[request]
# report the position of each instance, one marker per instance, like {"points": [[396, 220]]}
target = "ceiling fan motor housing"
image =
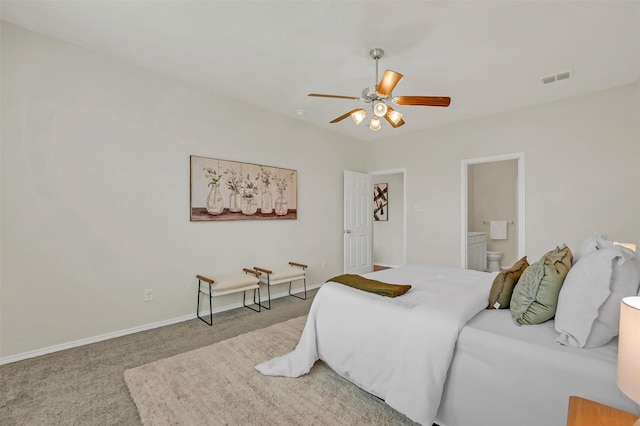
{"points": [[369, 95]]}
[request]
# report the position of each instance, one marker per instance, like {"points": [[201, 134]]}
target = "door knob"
{"points": [[348, 231]]}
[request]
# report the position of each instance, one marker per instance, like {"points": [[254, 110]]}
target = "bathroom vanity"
{"points": [[477, 251]]}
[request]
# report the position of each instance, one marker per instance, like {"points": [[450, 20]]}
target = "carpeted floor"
{"points": [[218, 385], [85, 385]]}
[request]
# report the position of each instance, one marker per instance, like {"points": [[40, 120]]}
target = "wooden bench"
{"points": [[221, 285], [288, 274]]}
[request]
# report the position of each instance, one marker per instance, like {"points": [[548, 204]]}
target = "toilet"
{"points": [[493, 261]]}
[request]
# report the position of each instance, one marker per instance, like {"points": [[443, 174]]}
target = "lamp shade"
{"points": [[358, 115], [629, 348], [395, 116], [375, 124], [380, 109]]}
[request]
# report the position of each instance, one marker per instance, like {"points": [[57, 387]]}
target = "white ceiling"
{"points": [[488, 56]]}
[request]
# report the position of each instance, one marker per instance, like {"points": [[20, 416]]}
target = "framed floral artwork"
{"points": [[380, 201], [232, 190]]}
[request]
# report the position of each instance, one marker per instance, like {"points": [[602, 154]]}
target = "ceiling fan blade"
{"points": [[440, 101], [394, 123], [343, 116], [321, 95], [388, 83]]}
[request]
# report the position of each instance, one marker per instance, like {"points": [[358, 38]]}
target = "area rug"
{"points": [[218, 385]]}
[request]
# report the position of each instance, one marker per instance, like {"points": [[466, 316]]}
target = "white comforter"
{"points": [[398, 349]]}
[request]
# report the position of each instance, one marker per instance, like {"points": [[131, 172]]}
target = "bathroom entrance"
{"points": [[492, 212]]}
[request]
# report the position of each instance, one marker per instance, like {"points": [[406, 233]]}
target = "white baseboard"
{"points": [[107, 336]]}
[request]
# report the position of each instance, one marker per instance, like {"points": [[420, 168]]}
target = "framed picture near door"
{"points": [[380, 201]]}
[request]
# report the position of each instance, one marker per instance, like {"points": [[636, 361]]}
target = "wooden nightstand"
{"points": [[583, 412]]}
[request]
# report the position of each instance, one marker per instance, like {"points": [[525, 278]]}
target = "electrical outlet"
{"points": [[148, 295]]}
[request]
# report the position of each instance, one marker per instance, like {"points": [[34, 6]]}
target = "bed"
{"points": [[436, 354], [503, 374]]}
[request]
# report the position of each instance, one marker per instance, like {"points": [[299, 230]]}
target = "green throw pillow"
{"points": [[503, 284], [535, 297]]}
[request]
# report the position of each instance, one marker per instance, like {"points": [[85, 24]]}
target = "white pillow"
{"points": [[591, 244], [588, 313]]}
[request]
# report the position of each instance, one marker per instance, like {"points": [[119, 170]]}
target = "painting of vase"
{"points": [[223, 190]]}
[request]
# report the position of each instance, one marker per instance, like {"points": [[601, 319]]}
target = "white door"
{"points": [[358, 229]]}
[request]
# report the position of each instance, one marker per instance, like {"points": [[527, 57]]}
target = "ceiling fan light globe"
{"points": [[375, 124], [380, 109], [395, 116], [358, 116]]}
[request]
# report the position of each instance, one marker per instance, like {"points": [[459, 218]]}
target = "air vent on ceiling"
{"points": [[556, 77]]}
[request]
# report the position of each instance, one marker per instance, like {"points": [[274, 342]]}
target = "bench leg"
{"points": [[267, 307], [244, 293], [210, 323], [304, 280]]}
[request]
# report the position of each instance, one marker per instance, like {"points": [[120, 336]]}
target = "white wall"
{"points": [[95, 193], [95, 187], [582, 172]]}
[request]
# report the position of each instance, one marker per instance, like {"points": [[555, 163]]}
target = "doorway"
{"points": [[390, 233], [515, 225], [359, 235]]}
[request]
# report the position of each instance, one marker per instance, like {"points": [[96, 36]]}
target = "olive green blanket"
{"points": [[373, 286]]}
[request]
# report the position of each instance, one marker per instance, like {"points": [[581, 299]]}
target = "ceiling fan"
{"points": [[379, 96]]}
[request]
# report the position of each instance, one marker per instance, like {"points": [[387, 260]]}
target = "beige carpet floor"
{"points": [[84, 386], [218, 385]]}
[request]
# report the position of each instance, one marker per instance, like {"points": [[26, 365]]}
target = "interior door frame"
{"points": [[402, 171], [464, 200]]}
